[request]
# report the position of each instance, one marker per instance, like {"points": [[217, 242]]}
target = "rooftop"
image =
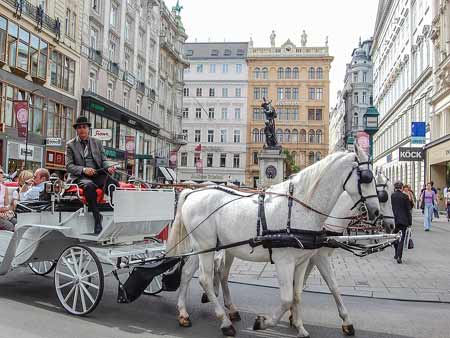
{"points": [[216, 50]]}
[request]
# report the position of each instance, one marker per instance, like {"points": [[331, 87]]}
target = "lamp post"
{"points": [[371, 125], [350, 143]]}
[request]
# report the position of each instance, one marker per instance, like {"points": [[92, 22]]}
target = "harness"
{"points": [[365, 176]]}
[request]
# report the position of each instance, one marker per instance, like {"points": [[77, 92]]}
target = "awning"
{"points": [[172, 173], [166, 174]]}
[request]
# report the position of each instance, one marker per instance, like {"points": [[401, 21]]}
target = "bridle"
{"points": [[383, 195], [365, 176]]}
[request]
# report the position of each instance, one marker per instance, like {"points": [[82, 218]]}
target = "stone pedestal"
{"points": [[271, 167]]}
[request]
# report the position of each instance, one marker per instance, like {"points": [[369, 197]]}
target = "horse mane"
{"points": [[311, 176]]}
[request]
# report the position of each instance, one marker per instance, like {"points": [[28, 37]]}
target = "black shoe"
{"points": [[98, 225], [399, 260], [395, 257], [427, 229]]}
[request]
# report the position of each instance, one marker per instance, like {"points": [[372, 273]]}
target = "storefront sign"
{"points": [[130, 146], [161, 162], [55, 159], [143, 157], [53, 141], [363, 140], [410, 154], [102, 134], [25, 150], [173, 159], [114, 154], [97, 107], [21, 111], [418, 132]]}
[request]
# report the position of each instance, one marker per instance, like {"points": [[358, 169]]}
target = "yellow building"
{"points": [[296, 79]]}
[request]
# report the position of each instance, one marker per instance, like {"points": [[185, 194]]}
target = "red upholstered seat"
{"points": [[100, 194], [126, 186]]}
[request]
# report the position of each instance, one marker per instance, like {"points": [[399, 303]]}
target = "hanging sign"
{"points": [[21, 111]]}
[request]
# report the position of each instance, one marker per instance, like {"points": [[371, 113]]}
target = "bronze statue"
{"points": [[269, 129]]}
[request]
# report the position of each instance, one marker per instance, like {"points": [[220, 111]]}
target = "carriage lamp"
{"points": [[371, 125]]}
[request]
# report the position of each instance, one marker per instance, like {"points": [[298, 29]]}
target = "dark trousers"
{"points": [[90, 185], [399, 244]]}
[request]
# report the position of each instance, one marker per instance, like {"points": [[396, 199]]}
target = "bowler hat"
{"points": [[80, 121]]}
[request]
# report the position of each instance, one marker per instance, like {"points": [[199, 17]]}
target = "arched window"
{"points": [[295, 136], [311, 73], [255, 135], [319, 73], [256, 73], [265, 73], [280, 135], [311, 157], [318, 156], [287, 136], [280, 73], [319, 136], [262, 136], [295, 73], [355, 121], [311, 136], [288, 73], [302, 136], [294, 156]]}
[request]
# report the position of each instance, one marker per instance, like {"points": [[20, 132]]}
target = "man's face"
{"points": [[37, 178], [83, 131]]}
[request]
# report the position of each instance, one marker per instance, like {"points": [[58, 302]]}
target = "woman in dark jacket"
{"points": [[403, 219]]}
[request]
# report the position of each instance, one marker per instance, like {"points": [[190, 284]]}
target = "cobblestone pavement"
{"points": [[423, 276]]}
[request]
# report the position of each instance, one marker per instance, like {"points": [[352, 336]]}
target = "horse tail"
{"points": [[178, 241]]}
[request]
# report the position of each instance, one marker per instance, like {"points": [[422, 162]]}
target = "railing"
{"points": [[95, 55]]}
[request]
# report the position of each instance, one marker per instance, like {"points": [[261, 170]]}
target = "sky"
{"points": [[343, 21]]}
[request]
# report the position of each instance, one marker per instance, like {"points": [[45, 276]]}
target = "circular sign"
{"points": [[22, 115], [129, 146], [271, 172]]}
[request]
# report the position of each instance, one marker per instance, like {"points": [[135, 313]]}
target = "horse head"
{"points": [[384, 191]]}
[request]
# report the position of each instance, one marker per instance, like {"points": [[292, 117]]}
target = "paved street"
{"points": [[29, 309], [423, 276]]}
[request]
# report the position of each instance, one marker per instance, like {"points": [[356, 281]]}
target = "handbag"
{"points": [[410, 244]]}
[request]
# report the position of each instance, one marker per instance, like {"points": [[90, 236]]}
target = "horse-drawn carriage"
{"points": [[57, 234]]}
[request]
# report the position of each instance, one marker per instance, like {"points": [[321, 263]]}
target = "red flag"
{"points": [[21, 110], [199, 166], [198, 147], [173, 159], [130, 147]]}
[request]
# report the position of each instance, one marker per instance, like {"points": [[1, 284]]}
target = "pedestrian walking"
{"points": [[408, 192], [447, 203], [428, 200], [401, 206]]}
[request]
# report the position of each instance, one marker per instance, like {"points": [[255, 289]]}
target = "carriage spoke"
{"points": [[68, 266], [80, 262], [64, 274], [70, 293], [86, 291], [75, 263], [75, 299], [90, 284], [83, 270], [90, 275], [83, 300], [64, 285]]}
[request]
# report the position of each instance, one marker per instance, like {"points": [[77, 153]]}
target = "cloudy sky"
{"points": [[236, 20]]}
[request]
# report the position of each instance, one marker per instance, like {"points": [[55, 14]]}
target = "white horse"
{"points": [[209, 217]]}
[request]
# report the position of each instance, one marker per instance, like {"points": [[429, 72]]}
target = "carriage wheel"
{"points": [[156, 285], [42, 268], [79, 280]]}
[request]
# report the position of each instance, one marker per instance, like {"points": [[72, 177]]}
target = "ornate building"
{"points": [[438, 150], [296, 79]]}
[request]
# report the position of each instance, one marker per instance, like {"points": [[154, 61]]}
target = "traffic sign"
{"points": [[418, 132], [53, 141]]}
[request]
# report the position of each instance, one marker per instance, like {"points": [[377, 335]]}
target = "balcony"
{"points": [[95, 55], [151, 94], [129, 78], [179, 139], [113, 68], [140, 87]]}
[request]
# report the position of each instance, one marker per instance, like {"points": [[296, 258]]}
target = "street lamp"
{"points": [[350, 143], [371, 125]]}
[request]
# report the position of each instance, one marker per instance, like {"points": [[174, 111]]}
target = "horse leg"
{"points": [[285, 271], [218, 266], [206, 281], [323, 264], [189, 268], [225, 273], [299, 277]]}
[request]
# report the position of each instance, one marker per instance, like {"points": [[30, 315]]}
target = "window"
{"points": [[210, 136], [280, 73], [110, 91], [237, 136], [355, 77], [319, 93], [311, 157], [264, 92], [364, 79], [279, 94], [211, 113], [113, 16], [198, 113], [364, 97], [209, 160], [95, 4], [288, 73], [257, 115], [294, 136], [185, 91], [67, 22], [127, 30], [183, 160], [138, 106], [224, 113], [93, 81], [255, 134], [319, 136], [295, 73], [185, 113], [225, 68], [312, 93], [237, 113], [318, 156], [211, 92], [256, 73], [311, 136], [59, 120], [125, 99], [302, 136], [255, 157], [212, 68], [294, 93], [265, 73], [214, 52], [238, 68], [197, 135], [237, 92], [355, 98], [199, 92], [280, 135], [223, 160], [223, 136], [3, 37], [224, 92], [287, 136], [319, 73], [319, 114], [236, 161], [311, 73], [287, 93], [199, 68], [256, 93], [184, 134], [227, 52], [295, 114], [112, 51]]}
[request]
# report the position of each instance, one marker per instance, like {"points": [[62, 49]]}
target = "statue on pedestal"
{"points": [[272, 39], [269, 129], [304, 39]]}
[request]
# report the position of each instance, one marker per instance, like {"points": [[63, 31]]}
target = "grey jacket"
{"points": [[75, 159]]}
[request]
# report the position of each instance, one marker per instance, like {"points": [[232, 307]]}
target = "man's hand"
{"points": [[112, 170], [89, 171]]}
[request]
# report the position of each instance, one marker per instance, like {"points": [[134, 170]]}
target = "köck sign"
{"points": [[410, 154]]}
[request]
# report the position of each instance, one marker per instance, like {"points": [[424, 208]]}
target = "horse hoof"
{"points": [[258, 325], [348, 330], [184, 322], [205, 299], [229, 331], [235, 316]]}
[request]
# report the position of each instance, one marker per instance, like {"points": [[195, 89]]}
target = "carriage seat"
{"points": [[100, 194]]}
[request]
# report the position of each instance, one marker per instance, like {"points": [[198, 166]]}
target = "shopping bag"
{"points": [[435, 212]]}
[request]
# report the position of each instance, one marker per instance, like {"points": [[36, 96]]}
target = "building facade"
{"points": [[40, 64], [401, 55], [132, 76], [438, 150], [296, 79], [337, 126], [215, 113]]}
